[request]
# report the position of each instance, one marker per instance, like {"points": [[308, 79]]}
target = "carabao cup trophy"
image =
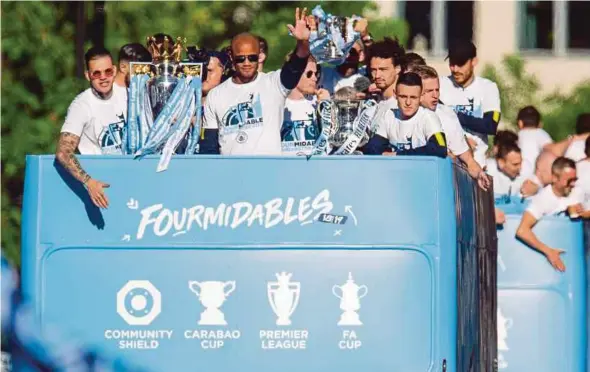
{"points": [[346, 125], [334, 37], [164, 103]]}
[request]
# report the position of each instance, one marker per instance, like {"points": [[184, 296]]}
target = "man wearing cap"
{"points": [[476, 100]]}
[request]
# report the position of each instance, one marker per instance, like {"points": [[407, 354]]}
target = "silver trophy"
{"points": [[334, 38], [349, 122], [164, 70]]}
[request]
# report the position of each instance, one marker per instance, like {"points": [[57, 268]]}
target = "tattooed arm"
{"points": [[66, 156]]}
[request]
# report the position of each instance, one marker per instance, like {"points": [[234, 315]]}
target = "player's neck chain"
{"points": [[101, 96]]}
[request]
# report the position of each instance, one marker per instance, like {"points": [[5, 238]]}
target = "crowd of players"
{"points": [[250, 111]]}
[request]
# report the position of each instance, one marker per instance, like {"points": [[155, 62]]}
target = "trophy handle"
{"points": [[192, 287], [232, 284], [334, 291], [366, 291], [269, 291]]}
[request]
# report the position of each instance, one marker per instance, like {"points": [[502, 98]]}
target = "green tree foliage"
{"points": [[39, 64], [38, 83], [559, 119], [518, 89]]}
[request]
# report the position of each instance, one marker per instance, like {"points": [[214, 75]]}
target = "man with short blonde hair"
{"points": [[455, 136]]}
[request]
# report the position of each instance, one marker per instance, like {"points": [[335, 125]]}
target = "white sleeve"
{"points": [[543, 139], [537, 207], [77, 117], [430, 124], [275, 78], [454, 133], [210, 119], [491, 98]]}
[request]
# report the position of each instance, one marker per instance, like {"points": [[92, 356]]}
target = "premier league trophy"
{"points": [[334, 37], [164, 102], [346, 125]]}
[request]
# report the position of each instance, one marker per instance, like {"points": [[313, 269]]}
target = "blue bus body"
{"points": [[542, 317], [263, 264]]}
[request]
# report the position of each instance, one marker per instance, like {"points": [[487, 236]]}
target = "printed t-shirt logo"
{"points": [[470, 109], [244, 115], [111, 137]]}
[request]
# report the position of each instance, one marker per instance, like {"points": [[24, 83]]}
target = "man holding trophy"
{"points": [[243, 115]]}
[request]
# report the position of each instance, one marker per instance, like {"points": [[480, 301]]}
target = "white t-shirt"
{"points": [[476, 99], [99, 123], [300, 127], [384, 113], [454, 132], [531, 142], [412, 133], [582, 188], [547, 203], [504, 185], [575, 151], [248, 116]]}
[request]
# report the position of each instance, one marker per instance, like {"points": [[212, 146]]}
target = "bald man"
{"points": [[243, 115], [542, 176]]}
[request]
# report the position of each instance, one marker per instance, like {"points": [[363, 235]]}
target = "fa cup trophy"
{"points": [[346, 125]]}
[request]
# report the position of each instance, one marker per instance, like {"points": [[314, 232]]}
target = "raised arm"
{"points": [[68, 142], [294, 67]]}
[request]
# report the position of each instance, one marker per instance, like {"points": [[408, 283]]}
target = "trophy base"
{"points": [[212, 317], [350, 319], [283, 322]]}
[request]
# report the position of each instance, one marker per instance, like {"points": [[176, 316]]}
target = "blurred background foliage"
{"points": [[519, 88], [43, 44]]}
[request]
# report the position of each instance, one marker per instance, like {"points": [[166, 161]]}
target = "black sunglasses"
{"points": [[242, 59], [309, 73]]}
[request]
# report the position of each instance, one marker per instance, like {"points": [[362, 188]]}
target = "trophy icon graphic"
{"points": [[283, 296], [350, 301], [212, 295], [504, 324]]}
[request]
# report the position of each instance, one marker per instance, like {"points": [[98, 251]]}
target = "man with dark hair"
{"points": [[410, 129], [243, 115], [133, 52], [263, 53], [507, 174], [532, 138], [385, 63], [412, 60], [554, 199], [94, 123], [455, 136], [575, 150], [476, 100]]}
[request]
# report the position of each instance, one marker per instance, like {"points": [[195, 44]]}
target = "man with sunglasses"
{"points": [[94, 122], [554, 199], [243, 115], [300, 126]]}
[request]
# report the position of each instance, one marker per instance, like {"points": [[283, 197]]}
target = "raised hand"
{"points": [[300, 31]]}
